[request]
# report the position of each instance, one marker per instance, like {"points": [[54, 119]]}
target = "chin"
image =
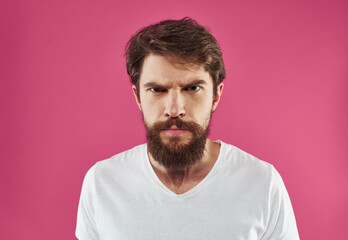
{"points": [[176, 141]]}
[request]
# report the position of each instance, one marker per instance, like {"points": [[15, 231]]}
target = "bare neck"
{"points": [[181, 181]]}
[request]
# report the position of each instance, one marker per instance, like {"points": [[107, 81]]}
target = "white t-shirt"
{"points": [[242, 198]]}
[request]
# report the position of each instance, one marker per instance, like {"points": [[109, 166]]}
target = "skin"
{"points": [[170, 88]]}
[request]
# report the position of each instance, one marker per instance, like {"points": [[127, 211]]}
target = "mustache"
{"points": [[177, 122], [195, 128]]}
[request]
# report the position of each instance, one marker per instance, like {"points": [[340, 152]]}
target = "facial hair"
{"points": [[173, 154]]}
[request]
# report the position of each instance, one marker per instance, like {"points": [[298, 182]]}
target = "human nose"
{"points": [[174, 105]]}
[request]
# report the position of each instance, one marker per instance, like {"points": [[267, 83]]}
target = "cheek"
{"points": [[148, 104], [200, 111], [201, 103], [151, 112]]}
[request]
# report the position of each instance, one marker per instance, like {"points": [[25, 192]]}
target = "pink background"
{"points": [[66, 101]]}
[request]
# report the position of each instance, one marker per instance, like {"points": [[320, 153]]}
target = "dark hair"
{"points": [[183, 39]]}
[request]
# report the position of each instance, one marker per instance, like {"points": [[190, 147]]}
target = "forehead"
{"points": [[169, 70]]}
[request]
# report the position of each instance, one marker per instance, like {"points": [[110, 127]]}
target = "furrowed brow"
{"points": [[192, 83], [153, 85], [196, 82]]}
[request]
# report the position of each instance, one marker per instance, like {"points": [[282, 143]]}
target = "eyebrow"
{"points": [[192, 83]]}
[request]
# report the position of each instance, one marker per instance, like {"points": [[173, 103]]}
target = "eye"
{"points": [[193, 88], [157, 90]]}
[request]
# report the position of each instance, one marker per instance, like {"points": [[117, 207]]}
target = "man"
{"points": [[181, 185]]}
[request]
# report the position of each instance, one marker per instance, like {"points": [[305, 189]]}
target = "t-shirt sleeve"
{"points": [[86, 225], [281, 221]]}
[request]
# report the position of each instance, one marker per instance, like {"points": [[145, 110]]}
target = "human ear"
{"points": [[217, 97], [137, 98]]}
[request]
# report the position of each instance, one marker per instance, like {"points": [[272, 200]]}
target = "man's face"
{"points": [[176, 100]]}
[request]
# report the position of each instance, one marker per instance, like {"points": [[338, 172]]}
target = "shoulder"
{"points": [[239, 158], [120, 163], [260, 185], [250, 171], [237, 162]]}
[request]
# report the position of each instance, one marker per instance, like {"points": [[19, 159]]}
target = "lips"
{"points": [[175, 131]]}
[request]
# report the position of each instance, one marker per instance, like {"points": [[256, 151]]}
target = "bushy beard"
{"points": [[173, 154]]}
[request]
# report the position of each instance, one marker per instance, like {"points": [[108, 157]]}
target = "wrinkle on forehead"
{"points": [[172, 70]]}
